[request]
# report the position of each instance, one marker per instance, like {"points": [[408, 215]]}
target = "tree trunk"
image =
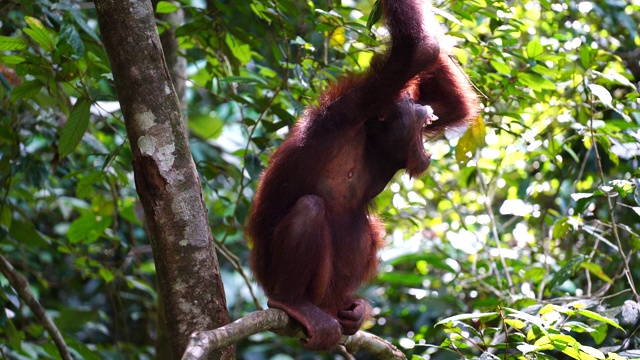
{"points": [[176, 63], [165, 175]]}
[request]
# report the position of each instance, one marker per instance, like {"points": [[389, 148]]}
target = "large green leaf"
{"points": [[75, 127], [9, 43]]}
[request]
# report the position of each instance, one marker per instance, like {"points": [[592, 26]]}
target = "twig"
{"points": [[545, 249], [237, 265], [21, 285], [494, 227], [610, 205], [201, 343], [493, 269]]}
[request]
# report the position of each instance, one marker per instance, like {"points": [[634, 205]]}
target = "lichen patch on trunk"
{"points": [[145, 119], [165, 155]]}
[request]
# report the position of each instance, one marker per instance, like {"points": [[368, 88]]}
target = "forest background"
{"points": [[521, 240]]}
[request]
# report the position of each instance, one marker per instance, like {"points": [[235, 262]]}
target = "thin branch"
{"points": [[493, 269], [201, 343], [236, 263], [610, 205], [21, 285], [546, 250], [494, 226]]}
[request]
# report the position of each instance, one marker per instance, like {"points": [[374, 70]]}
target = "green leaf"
{"points": [[597, 317], [596, 270], [82, 349], [534, 49], [566, 272], [73, 319], [75, 127], [587, 55], [26, 90], [446, 15], [84, 188], [12, 44], [253, 164], [500, 67], [565, 343], [547, 309], [526, 317], [614, 356], [535, 82], [14, 336], [38, 33], [70, 37], [23, 232], [6, 216], [165, 7], [240, 50], [602, 94], [88, 227], [375, 15], [106, 274], [134, 283], [526, 348], [561, 227], [591, 352], [635, 242], [401, 278], [206, 126], [11, 59], [577, 326], [251, 79], [461, 317], [600, 333], [79, 18]]}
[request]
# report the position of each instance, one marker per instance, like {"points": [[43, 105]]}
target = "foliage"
{"points": [[521, 241]]}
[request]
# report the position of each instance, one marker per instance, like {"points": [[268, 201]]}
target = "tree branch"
{"points": [[21, 285], [276, 320]]}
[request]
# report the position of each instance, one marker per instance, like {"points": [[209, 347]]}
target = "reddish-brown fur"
{"points": [[314, 241]]}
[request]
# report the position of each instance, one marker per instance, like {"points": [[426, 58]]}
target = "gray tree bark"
{"points": [[165, 175]]}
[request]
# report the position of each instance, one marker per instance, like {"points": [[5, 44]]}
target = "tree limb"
{"points": [[21, 285], [276, 320]]}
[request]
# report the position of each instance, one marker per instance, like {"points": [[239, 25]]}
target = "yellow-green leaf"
{"points": [[338, 38], [596, 270], [614, 356], [547, 309], [595, 353], [38, 33], [518, 324], [469, 143]]}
